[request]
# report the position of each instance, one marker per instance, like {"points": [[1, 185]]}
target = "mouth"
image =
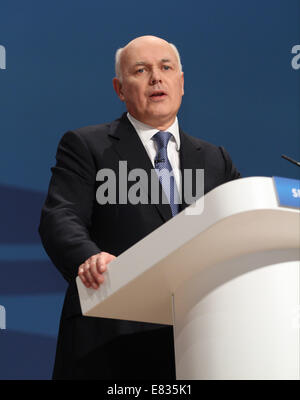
{"points": [[158, 95]]}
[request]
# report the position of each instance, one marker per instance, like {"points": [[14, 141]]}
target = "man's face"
{"points": [[152, 84]]}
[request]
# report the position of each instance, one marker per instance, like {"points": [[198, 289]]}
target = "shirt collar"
{"points": [[146, 132]]}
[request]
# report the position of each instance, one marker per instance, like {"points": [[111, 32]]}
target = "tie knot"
{"points": [[162, 139]]}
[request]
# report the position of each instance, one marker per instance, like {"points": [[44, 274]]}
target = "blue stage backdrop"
{"points": [[242, 90]]}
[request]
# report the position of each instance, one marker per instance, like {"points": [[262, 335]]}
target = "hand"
{"points": [[91, 271]]}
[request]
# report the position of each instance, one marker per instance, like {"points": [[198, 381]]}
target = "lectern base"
{"points": [[240, 320]]}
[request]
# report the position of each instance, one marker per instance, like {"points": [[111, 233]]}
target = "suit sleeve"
{"points": [[231, 172], [67, 212]]}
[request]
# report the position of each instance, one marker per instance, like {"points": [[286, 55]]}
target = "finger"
{"points": [[80, 269], [96, 275], [84, 281], [110, 259], [82, 277], [101, 265], [89, 276]]}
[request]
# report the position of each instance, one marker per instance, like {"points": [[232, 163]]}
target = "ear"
{"points": [[182, 79], [118, 88]]}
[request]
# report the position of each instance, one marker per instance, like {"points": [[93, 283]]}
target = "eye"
{"points": [[140, 70], [166, 67]]}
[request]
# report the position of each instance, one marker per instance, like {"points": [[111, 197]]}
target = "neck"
{"points": [[164, 127], [159, 125]]}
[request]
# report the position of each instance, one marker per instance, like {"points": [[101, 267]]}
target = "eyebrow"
{"points": [[163, 60]]}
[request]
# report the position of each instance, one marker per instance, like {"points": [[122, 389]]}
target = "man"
{"points": [[82, 237]]}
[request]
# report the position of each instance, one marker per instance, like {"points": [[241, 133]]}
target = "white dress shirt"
{"points": [[146, 132]]}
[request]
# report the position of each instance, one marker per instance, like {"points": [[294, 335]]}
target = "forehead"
{"points": [[149, 52]]}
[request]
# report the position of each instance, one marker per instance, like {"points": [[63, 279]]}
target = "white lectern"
{"points": [[227, 279]]}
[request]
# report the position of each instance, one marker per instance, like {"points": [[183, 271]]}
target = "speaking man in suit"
{"points": [[82, 236]]}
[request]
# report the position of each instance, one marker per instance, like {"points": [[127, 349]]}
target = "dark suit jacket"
{"points": [[74, 227]]}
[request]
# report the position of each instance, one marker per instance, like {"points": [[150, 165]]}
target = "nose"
{"points": [[155, 77]]}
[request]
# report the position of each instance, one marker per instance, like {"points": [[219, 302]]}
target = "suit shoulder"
{"points": [[200, 143], [91, 131], [92, 135]]}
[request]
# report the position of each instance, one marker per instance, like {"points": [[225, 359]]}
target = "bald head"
{"points": [[139, 43], [150, 80]]}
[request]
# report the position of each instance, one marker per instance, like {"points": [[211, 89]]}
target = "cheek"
{"points": [[135, 93], [136, 99]]}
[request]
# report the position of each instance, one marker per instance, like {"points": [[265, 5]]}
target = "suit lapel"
{"points": [[131, 149]]}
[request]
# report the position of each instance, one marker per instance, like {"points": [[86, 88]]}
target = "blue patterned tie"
{"points": [[162, 163]]}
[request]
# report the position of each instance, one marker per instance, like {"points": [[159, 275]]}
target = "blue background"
{"points": [[240, 92]]}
